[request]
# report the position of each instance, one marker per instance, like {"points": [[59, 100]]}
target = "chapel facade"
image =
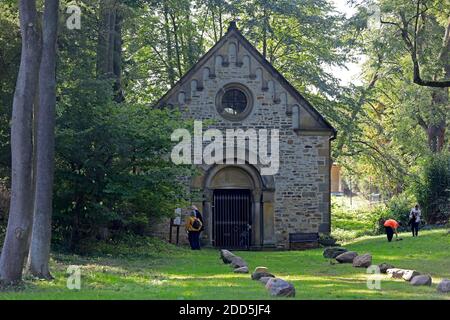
{"points": [[234, 87]]}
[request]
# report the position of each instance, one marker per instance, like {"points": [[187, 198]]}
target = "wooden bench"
{"points": [[303, 240]]}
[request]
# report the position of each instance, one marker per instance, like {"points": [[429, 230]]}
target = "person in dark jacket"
{"points": [[414, 220], [199, 216], [193, 227]]}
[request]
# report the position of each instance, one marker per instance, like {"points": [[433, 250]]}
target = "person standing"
{"points": [[414, 220], [193, 228], [391, 226], [198, 215]]}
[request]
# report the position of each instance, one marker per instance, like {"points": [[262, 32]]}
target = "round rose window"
{"points": [[234, 102]]}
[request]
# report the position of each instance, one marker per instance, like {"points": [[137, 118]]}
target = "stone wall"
{"points": [[302, 196]]}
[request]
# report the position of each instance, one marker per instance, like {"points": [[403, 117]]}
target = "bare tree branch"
{"points": [[412, 46]]}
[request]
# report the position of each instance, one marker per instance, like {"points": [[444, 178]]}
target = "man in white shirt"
{"points": [[414, 220]]}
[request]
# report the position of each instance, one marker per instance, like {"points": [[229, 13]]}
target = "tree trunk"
{"points": [[169, 50], [220, 22], [105, 41], [117, 59], [177, 44], [213, 16], [45, 146], [265, 27], [109, 46], [436, 131], [20, 214]]}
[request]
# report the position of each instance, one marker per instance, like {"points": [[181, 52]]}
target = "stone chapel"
{"points": [[236, 87]]}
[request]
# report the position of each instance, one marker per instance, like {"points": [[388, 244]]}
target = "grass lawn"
{"points": [[178, 273]]}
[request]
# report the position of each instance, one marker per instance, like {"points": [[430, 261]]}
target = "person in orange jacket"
{"points": [[391, 226]]}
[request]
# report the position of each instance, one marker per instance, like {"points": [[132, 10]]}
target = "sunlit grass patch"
{"points": [[183, 274]]}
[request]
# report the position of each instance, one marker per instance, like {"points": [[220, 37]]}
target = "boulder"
{"points": [[261, 269], [346, 257], [421, 280], [333, 252], [226, 256], [384, 267], [241, 270], [280, 288], [327, 242], [238, 262], [265, 279], [409, 274], [444, 286], [396, 273], [259, 275], [362, 261]]}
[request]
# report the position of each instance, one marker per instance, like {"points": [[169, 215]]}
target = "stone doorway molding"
{"points": [[242, 176]]}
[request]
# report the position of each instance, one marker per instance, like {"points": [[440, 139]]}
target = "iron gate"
{"points": [[232, 218]]}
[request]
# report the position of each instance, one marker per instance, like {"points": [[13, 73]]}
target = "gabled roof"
{"points": [[234, 31]]}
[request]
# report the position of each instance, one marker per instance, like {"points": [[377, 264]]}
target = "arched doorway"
{"points": [[232, 218], [234, 195]]}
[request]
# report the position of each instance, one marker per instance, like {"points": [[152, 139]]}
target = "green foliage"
{"points": [[342, 235], [9, 65], [113, 168], [113, 173], [111, 165], [349, 224], [432, 189], [390, 124], [130, 246], [302, 39], [399, 207]]}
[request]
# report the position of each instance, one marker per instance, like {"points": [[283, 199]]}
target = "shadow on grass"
{"points": [[202, 275]]}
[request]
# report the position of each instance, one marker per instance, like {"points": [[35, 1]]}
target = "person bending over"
{"points": [[391, 226]]}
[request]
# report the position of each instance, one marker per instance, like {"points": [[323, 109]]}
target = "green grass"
{"points": [[176, 273]]}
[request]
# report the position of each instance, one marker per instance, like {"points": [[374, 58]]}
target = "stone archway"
{"points": [[243, 177]]}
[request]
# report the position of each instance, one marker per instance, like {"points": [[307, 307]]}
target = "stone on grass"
{"points": [[384, 267], [241, 270], [396, 273], [238, 262], [409, 274], [261, 269], [226, 256], [333, 252], [444, 286], [265, 279], [346, 257], [259, 275], [280, 288], [421, 280], [362, 261]]}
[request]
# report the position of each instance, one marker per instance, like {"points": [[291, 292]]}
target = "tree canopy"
{"points": [[111, 166]]}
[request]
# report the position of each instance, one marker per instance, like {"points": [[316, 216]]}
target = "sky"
{"points": [[353, 71]]}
